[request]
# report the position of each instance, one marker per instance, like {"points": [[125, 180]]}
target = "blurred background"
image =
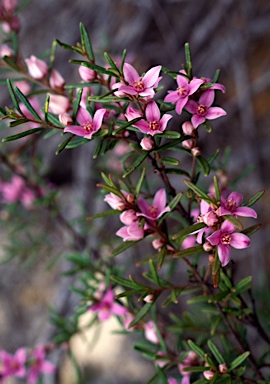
{"points": [[232, 35]]}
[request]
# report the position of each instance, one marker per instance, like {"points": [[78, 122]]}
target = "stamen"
{"points": [[153, 210], [88, 127], [182, 91], [226, 238], [153, 125], [202, 109], [139, 85]]}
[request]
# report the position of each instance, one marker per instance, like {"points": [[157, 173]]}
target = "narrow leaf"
{"points": [[170, 160], [188, 230], [22, 134], [126, 125], [76, 103], [13, 97], [63, 145], [123, 247], [249, 231], [124, 282], [139, 184], [110, 61], [95, 67], [86, 43], [198, 191], [217, 190], [196, 349], [141, 314], [239, 360], [188, 252], [26, 103], [136, 164], [169, 134], [218, 356], [204, 165], [255, 198]]}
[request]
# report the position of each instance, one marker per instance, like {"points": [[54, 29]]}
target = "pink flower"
{"points": [[185, 89], [203, 110], [157, 209], [225, 238], [13, 365], [56, 80], [131, 232], [188, 128], [189, 361], [58, 104], [231, 206], [37, 68], [107, 307], [17, 191], [88, 125], [128, 217], [153, 123], [138, 85], [38, 365], [25, 88], [132, 113], [171, 380]]}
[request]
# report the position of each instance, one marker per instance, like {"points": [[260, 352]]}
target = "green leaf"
{"points": [[104, 214], [204, 165], [188, 230], [198, 191], [65, 46], [169, 134], [76, 103], [238, 361], [126, 125], [136, 163], [196, 369], [196, 349], [110, 61], [161, 375], [22, 134], [124, 282], [249, 231], [141, 314], [217, 190], [188, 60], [123, 247], [198, 299], [124, 54], [18, 122], [154, 273], [27, 105], [63, 145], [169, 145], [170, 160], [139, 184], [77, 142], [216, 76], [177, 171], [218, 356], [46, 108], [95, 67], [86, 43], [107, 99], [254, 198], [188, 252], [243, 285], [11, 63], [13, 97]]}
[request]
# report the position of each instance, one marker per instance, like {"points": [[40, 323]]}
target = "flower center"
{"points": [[153, 125], [88, 127], [226, 238], [153, 211], [182, 91], [230, 204], [202, 110], [138, 85]]}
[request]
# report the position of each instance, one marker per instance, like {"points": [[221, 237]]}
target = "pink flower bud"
{"points": [[65, 119], [208, 375], [210, 218], [150, 332], [58, 104], [37, 68], [5, 50], [147, 143], [149, 298], [157, 244], [128, 217], [207, 246], [188, 144], [223, 368], [196, 151], [130, 198], [86, 74], [56, 80], [188, 128]]}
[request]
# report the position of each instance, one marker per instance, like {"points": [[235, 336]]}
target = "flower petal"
{"points": [[118, 309], [83, 116], [75, 129], [172, 97], [160, 199], [239, 241], [181, 102], [235, 197], [196, 120], [191, 106], [130, 73], [215, 112], [151, 76], [207, 98], [194, 85], [227, 227], [245, 212], [152, 112], [224, 254], [214, 239], [98, 116]]}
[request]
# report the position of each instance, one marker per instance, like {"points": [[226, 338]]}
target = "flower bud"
{"points": [[211, 258], [130, 198], [37, 68], [195, 151], [149, 298], [188, 128], [86, 74], [207, 246], [188, 144], [147, 143], [58, 104], [208, 375], [56, 80], [5, 50], [157, 244], [65, 119], [128, 217], [210, 218], [223, 368]]}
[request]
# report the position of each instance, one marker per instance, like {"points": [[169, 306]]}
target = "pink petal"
{"points": [[130, 73], [108, 297], [245, 212], [118, 309], [227, 227], [181, 102], [191, 106], [83, 116], [219, 86], [75, 129], [104, 315], [152, 112], [127, 89], [122, 232], [239, 241], [143, 205], [160, 199], [194, 85], [224, 253], [214, 239], [196, 120], [98, 116], [215, 112], [164, 121], [143, 126], [20, 355], [47, 367], [204, 207], [172, 97], [207, 98], [236, 197], [182, 81], [135, 232], [151, 76]]}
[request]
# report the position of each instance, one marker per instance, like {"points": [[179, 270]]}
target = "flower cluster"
{"points": [[25, 364]]}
